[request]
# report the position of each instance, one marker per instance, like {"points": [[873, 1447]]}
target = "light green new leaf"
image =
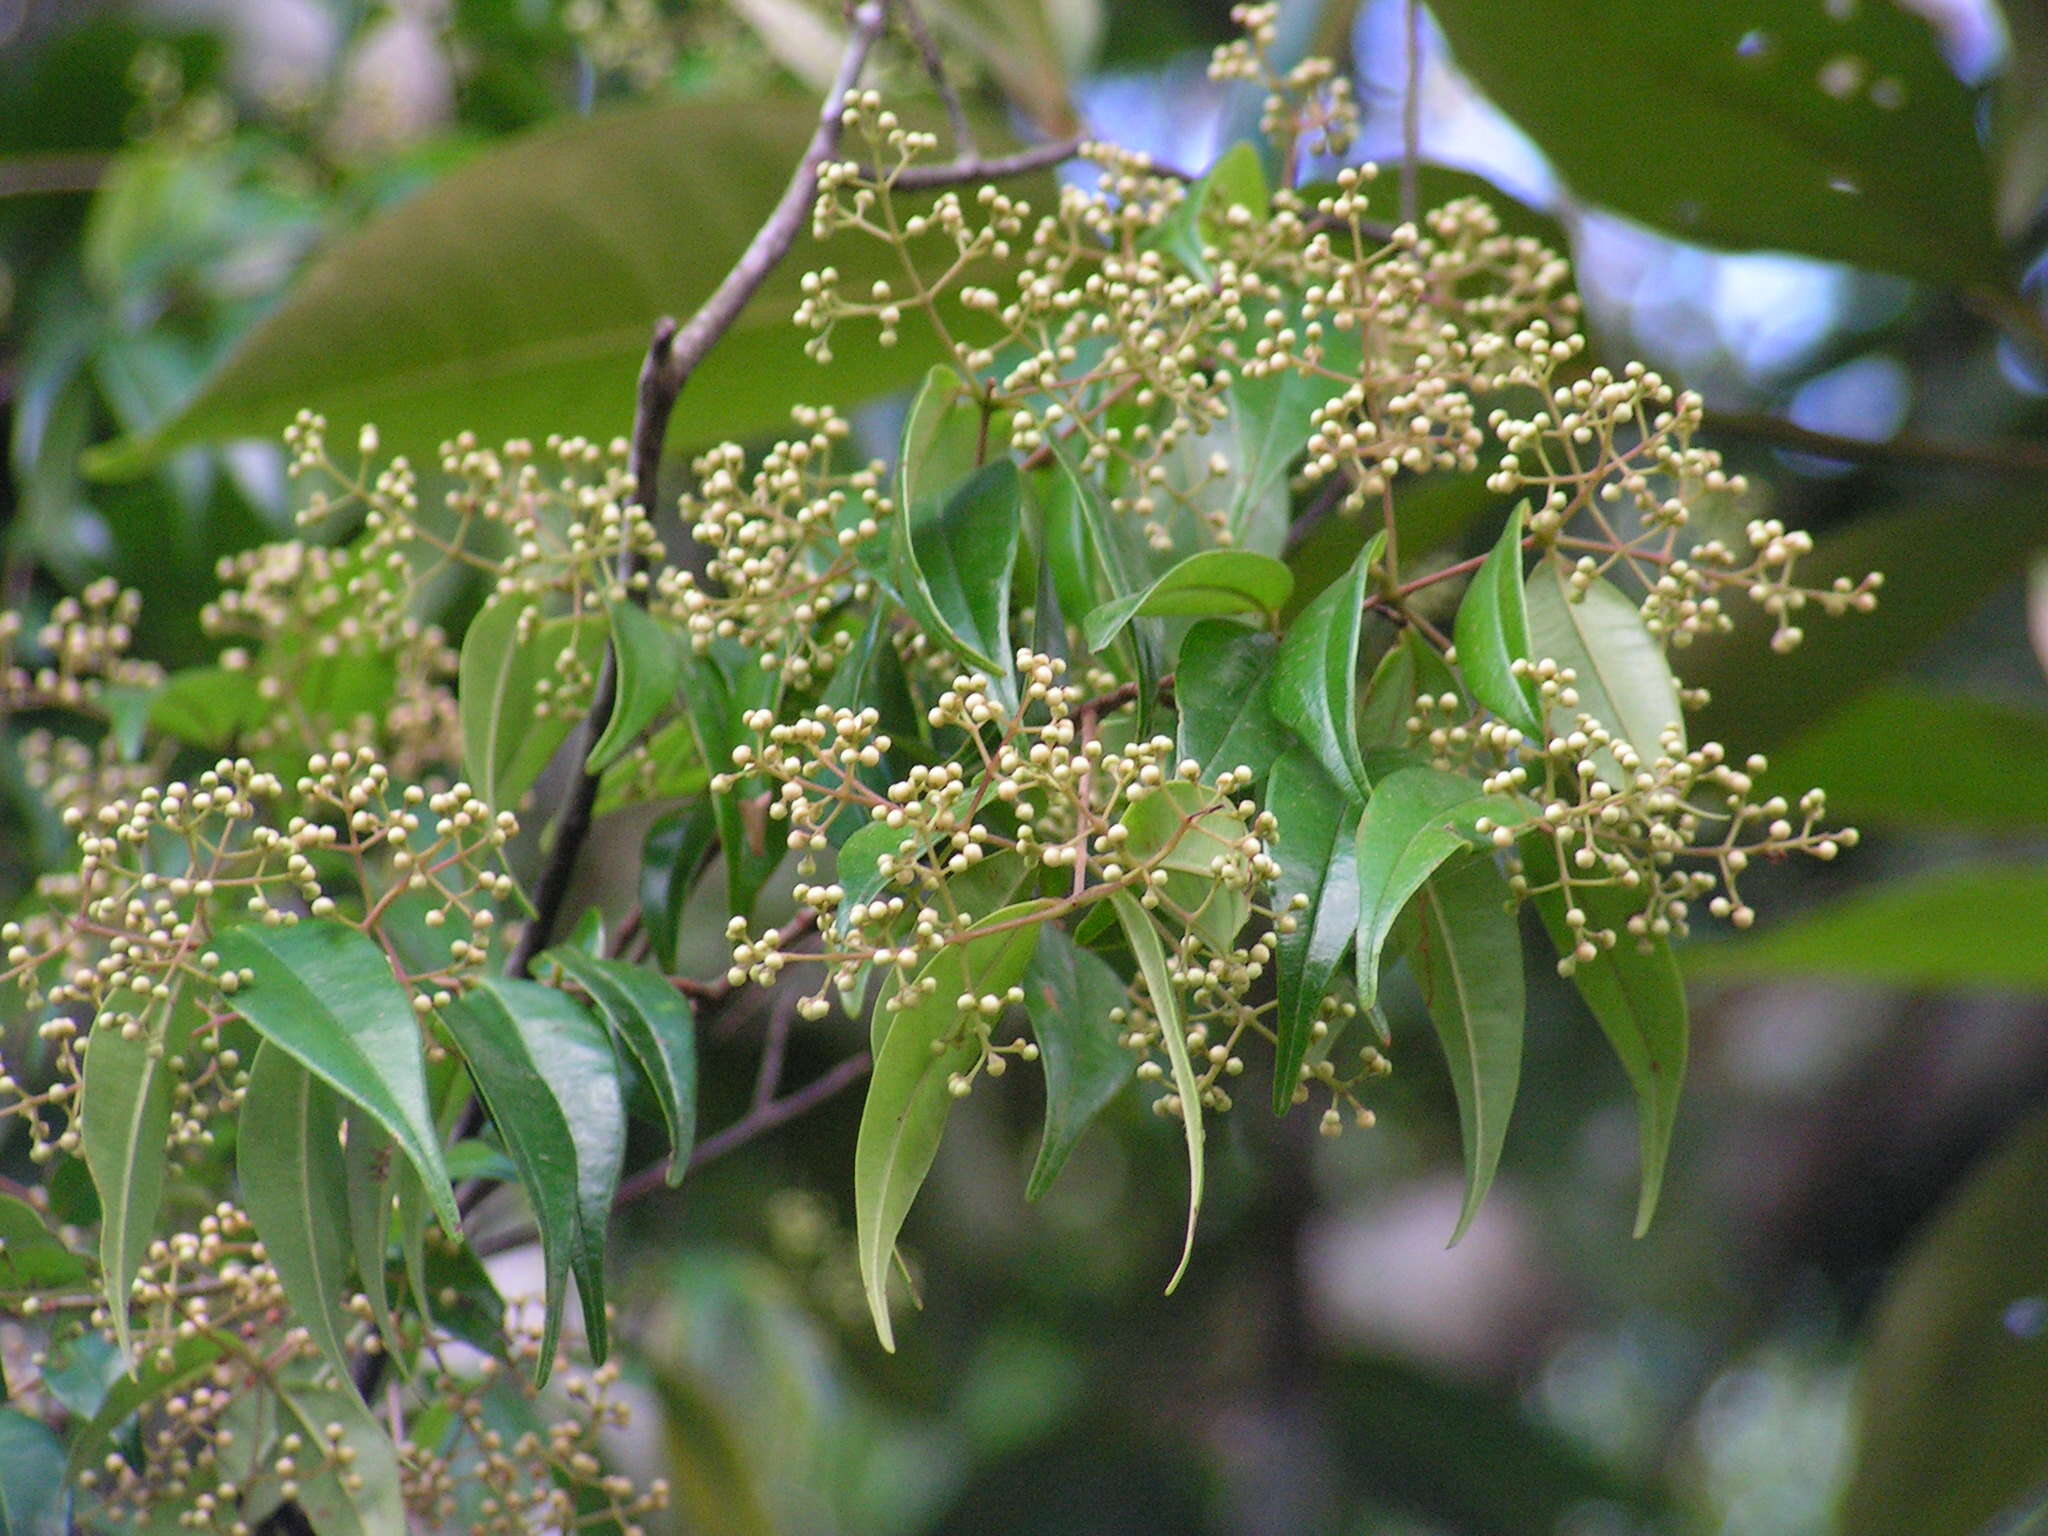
{"points": [[926, 1043], [288, 1156], [1469, 964], [126, 1116], [372, 1167], [1624, 680], [1152, 965], [651, 1020], [1314, 690], [649, 671], [1173, 828], [32, 1487], [1416, 819], [1492, 633], [1205, 585], [954, 564], [1948, 1414], [326, 994], [1069, 993], [1637, 999], [1833, 131], [1318, 856], [32, 1257], [505, 741], [1220, 681]]}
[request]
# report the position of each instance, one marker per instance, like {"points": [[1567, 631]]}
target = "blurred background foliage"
{"points": [[1829, 217]]}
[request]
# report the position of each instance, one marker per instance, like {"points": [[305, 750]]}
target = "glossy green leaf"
{"points": [[1468, 962], [1069, 993], [926, 1043], [288, 1157], [1624, 681], [371, 1168], [32, 1257], [1389, 701], [1220, 688], [506, 656], [1317, 852], [1638, 1000], [326, 994], [954, 563], [719, 689], [1272, 415], [1205, 585], [1174, 828], [1839, 132], [1492, 633], [1145, 943], [32, 1488], [1949, 1402], [417, 324], [675, 853], [1314, 690], [649, 672], [1416, 819], [126, 1118], [79, 1372], [651, 1020]]}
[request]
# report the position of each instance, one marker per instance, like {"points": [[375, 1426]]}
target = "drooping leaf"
{"points": [[1416, 819], [1314, 691], [1180, 829], [1492, 633], [908, 1096], [1638, 1000], [1220, 689], [1166, 1008], [288, 1157], [353, 1490], [126, 1117], [1069, 993], [651, 1020], [1318, 856], [674, 855], [1208, 584], [649, 670], [32, 1257], [506, 655], [32, 1487], [1948, 1406], [1468, 961], [326, 994], [1624, 681], [954, 564], [371, 1167], [1838, 132]]}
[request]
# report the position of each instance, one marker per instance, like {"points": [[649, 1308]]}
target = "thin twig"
{"points": [[966, 168], [29, 175], [1999, 456], [935, 66], [1411, 115]]}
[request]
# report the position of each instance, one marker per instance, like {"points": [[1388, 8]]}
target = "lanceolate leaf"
{"points": [[1220, 682], [1318, 857], [1469, 963], [505, 742], [32, 1488], [1315, 681], [1417, 818], [1152, 965], [326, 994], [371, 1170], [908, 1097], [954, 563], [288, 1156], [1624, 682], [1205, 585], [126, 1118], [677, 847], [649, 670], [356, 1496], [651, 1020], [1493, 633], [1171, 829], [1637, 999], [1069, 993]]}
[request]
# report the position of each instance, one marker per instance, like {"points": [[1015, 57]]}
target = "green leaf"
{"points": [[1973, 927], [1180, 828], [1956, 1369], [649, 672], [954, 564], [1624, 681], [126, 1119], [32, 1257], [32, 1487], [1205, 585], [677, 848], [1416, 819], [190, 1358], [1314, 691], [326, 994], [288, 1156], [1837, 132], [719, 689], [356, 1496], [908, 1096], [1236, 180], [1272, 416], [1638, 1000], [1220, 687], [79, 1372], [508, 652], [651, 1020], [1318, 858], [1468, 962], [1152, 965], [1493, 633], [1069, 994], [417, 324], [371, 1170]]}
